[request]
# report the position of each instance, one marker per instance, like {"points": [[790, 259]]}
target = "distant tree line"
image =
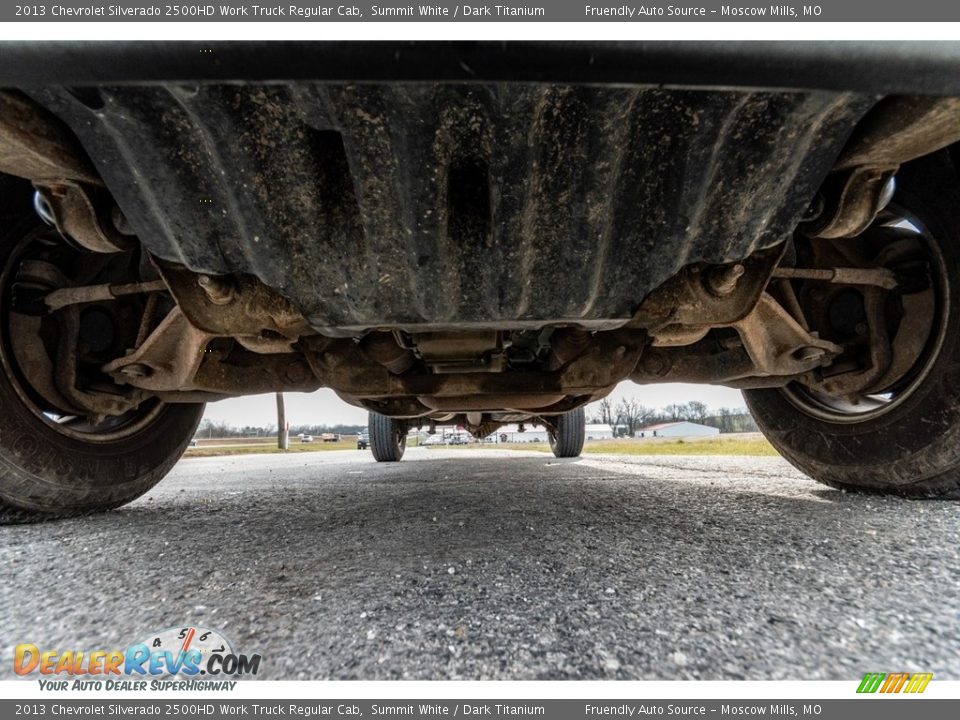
{"points": [[219, 429], [628, 416]]}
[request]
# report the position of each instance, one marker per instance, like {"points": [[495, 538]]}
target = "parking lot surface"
{"points": [[490, 564]]}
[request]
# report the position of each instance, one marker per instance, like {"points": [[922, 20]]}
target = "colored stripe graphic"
{"points": [[870, 682], [894, 683], [918, 682]]}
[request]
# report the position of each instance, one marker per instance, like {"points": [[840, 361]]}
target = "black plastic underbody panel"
{"points": [[447, 204]]}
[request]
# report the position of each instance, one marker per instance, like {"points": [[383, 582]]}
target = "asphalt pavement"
{"points": [[490, 564]]}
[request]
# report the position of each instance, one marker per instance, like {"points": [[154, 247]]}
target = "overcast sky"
{"points": [[325, 408]]}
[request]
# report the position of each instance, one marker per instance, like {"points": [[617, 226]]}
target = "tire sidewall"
{"points": [[45, 471], [919, 438]]}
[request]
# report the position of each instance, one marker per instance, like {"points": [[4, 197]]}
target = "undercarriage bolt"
{"points": [[219, 290], [654, 363], [723, 280], [135, 370]]}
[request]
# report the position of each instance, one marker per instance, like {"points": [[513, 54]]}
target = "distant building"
{"points": [[511, 434], [599, 431], [681, 428]]}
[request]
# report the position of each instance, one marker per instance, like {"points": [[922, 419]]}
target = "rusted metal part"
{"points": [[341, 365], [567, 344], [191, 396], [241, 307], [875, 360], [219, 290], [37, 146], [146, 321], [244, 373], [881, 277], [177, 356], [167, 360], [81, 218], [683, 310], [895, 131], [97, 404], [44, 375], [680, 335], [907, 345], [47, 350], [849, 384], [41, 273], [485, 428], [92, 293], [532, 402], [899, 299], [474, 419], [382, 347], [777, 344], [266, 343], [231, 374], [722, 281], [791, 302], [703, 362], [460, 352], [901, 128], [411, 409], [854, 197], [35, 363]]}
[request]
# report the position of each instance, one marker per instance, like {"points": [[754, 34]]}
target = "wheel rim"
{"points": [[72, 426], [869, 406]]}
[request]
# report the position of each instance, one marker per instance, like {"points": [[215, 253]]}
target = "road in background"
{"points": [[502, 564]]}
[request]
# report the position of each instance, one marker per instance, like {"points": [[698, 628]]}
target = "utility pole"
{"points": [[283, 432]]}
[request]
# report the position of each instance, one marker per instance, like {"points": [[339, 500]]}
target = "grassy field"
{"points": [[260, 448], [724, 445], [752, 444]]}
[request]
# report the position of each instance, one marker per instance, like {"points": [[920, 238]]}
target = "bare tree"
{"points": [[673, 413], [625, 414], [696, 411], [725, 419], [606, 411], [632, 415], [645, 415]]}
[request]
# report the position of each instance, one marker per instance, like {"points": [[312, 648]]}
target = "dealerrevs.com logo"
{"points": [[181, 658]]}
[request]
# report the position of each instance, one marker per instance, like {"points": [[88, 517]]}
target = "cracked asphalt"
{"points": [[489, 564]]}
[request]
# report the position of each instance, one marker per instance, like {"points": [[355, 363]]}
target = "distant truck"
{"points": [[363, 439], [329, 437]]}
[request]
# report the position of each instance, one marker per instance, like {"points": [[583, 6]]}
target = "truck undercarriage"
{"points": [[479, 245]]}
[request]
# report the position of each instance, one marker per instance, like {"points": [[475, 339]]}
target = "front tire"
{"points": [[46, 475], [388, 438], [911, 447], [567, 441], [55, 465]]}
